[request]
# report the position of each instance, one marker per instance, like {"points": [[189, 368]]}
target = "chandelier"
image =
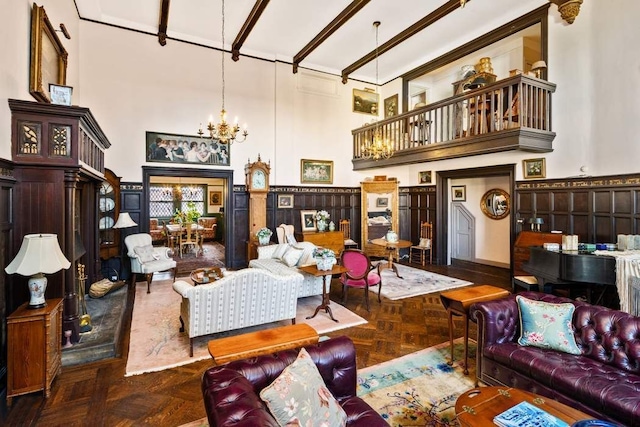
{"points": [[379, 147], [224, 131]]}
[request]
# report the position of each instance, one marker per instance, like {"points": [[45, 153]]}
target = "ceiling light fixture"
{"points": [[462, 3], [223, 131], [379, 147]]}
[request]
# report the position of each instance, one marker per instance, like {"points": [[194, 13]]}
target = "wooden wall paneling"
{"points": [[240, 232], [580, 227]]}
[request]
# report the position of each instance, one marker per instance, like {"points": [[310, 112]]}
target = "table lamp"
{"points": [[537, 68], [39, 254], [536, 223]]}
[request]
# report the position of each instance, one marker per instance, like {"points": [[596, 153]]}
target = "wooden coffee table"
{"points": [[201, 276], [458, 302], [478, 406]]}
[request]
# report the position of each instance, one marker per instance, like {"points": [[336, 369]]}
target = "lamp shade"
{"points": [[538, 65], [124, 221], [536, 221], [39, 253]]}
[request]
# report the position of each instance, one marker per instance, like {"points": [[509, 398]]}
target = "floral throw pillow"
{"points": [[547, 325], [299, 397]]}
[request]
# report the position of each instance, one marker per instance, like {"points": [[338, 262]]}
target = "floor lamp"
{"points": [[124, 221]]}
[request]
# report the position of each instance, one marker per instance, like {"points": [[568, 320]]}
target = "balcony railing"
{"points": [[511, 114]]}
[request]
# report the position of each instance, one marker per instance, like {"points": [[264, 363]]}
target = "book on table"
{"points": [[524, 414]]}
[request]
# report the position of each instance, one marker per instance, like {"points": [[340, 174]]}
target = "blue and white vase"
{"points": [[322, 225], [325, 264]]}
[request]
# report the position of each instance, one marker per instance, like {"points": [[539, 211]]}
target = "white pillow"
{"points": [[425, 243], [279, 251], [145, 253], [292, 256], [291, 239]]}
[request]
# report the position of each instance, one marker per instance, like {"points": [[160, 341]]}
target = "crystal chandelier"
{"points": [[379, 147], [223, 131]]}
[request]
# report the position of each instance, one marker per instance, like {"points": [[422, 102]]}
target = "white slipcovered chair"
{"points": [[146, 259], [240, 299], [285, 234]]}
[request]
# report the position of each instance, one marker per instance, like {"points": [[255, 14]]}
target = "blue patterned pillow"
{"points": [[547, 325], [300, 397]]}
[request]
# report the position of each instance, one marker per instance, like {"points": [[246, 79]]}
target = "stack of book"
{"points": [[525, 414]]}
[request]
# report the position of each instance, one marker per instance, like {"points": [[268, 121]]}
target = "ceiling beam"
{"points": [[164, 20], [248, 25], [333, 26], [411, 31]]}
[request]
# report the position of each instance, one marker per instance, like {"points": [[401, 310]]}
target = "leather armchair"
{"points": [[149, 261], [231, 392]]}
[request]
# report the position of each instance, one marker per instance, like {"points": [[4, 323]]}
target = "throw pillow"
{"points": [[292, 256], [425, 243], [279, 251], [299, 396], [291, 239], [547, 325], [145, 253]]}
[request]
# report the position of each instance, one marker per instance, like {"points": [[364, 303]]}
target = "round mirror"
{"points": [[495, 203]]}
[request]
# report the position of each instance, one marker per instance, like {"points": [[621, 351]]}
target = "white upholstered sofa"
{"points": [[240, 299], [285, 258]]}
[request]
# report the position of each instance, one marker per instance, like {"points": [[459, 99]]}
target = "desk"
{"points": [[392, 247], [478, 406], [458, 302], [312, 269]]}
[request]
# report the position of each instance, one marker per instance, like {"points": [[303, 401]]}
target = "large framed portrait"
{"points": [[308, 220], [183, 149], [316, 171], [365, 102], [48, 56]]}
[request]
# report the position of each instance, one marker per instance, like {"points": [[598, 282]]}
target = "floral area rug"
{"points": [[415, 282], [156, 342], [419, 389]]}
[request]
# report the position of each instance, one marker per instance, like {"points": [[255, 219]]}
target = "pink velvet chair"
{"points": [[361, 274]]}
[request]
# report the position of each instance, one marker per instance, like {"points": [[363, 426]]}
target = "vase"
{"points": [[325, 264], [332, 226], [322, 225], [264, 240]]}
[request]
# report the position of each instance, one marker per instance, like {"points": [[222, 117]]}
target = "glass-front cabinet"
{"points": [[109, 208], [379, 213]]}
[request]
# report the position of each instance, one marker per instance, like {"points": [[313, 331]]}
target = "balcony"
{"points": [[511, 114]]}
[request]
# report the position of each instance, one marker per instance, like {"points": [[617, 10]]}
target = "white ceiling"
{"points": [[286, 26]]}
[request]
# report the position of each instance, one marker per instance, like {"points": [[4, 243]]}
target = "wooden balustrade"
{"points": [[511, 114]]}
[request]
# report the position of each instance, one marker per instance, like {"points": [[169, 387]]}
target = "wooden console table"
{"points": [[333, 240]]}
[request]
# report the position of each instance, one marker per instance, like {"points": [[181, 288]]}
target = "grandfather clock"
{"points": [[257, 182]]}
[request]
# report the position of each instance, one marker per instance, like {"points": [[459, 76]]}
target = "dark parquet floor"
{"points": [[98, 394]]}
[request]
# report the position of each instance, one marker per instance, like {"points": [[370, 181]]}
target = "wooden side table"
{"points": [[312, 269], [34, 344], [267, 341], [392, 248], [458, 302]]}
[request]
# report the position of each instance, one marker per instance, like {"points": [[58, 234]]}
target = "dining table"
{"points": [[175, 231]]}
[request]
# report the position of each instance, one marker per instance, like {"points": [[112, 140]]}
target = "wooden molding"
{"points": [[248, 25], [164, 20]]}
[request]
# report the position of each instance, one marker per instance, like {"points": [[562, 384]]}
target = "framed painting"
{"points": [[48, 56], [285, 201], [365, 101], [534, 168], [181, 149], [308, 220], [459, 193], [382, 202], [215, 198], [60, 95], [391, 106], [425, 177], [316, 171]]}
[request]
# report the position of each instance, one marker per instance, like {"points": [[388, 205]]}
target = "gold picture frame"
{"points": [[316, 171], [534, 168], [48, 56], [215, 198], [365, 102], [391, 106]]}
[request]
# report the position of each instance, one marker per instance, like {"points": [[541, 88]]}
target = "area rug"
{"points": [[212, 255], [415, 282], [419, 389], [156, 342]]}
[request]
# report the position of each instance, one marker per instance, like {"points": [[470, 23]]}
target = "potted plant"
{"points": [[322, 217], [264, 236], [325, 258], [189, 215]]}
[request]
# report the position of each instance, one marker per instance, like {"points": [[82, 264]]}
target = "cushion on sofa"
{"points": [[299, 396], [292, 256], [547, 325], [279, 251]]}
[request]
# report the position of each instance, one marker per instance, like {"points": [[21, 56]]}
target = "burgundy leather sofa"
{"points": [[231, 391], [604, 381]]}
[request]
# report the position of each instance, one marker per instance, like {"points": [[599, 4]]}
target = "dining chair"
{"points": [[424, 246], [345, 227], [172, 237], [188, 240], [361, 274]]}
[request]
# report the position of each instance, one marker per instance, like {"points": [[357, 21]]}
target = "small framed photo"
{"points": [[459, 193], [60, 95], [316, 171], [308, 220], [215, 198], [534, 168], [285, 201], [365, 101], [382, 202], [391, 106], [424, 177]]}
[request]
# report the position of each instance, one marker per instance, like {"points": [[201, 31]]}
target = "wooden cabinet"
{"points": [[333, 240], [34, 348], [109, 209]]}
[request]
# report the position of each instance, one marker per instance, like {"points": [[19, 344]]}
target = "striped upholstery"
{"points": [[240, 299]]}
